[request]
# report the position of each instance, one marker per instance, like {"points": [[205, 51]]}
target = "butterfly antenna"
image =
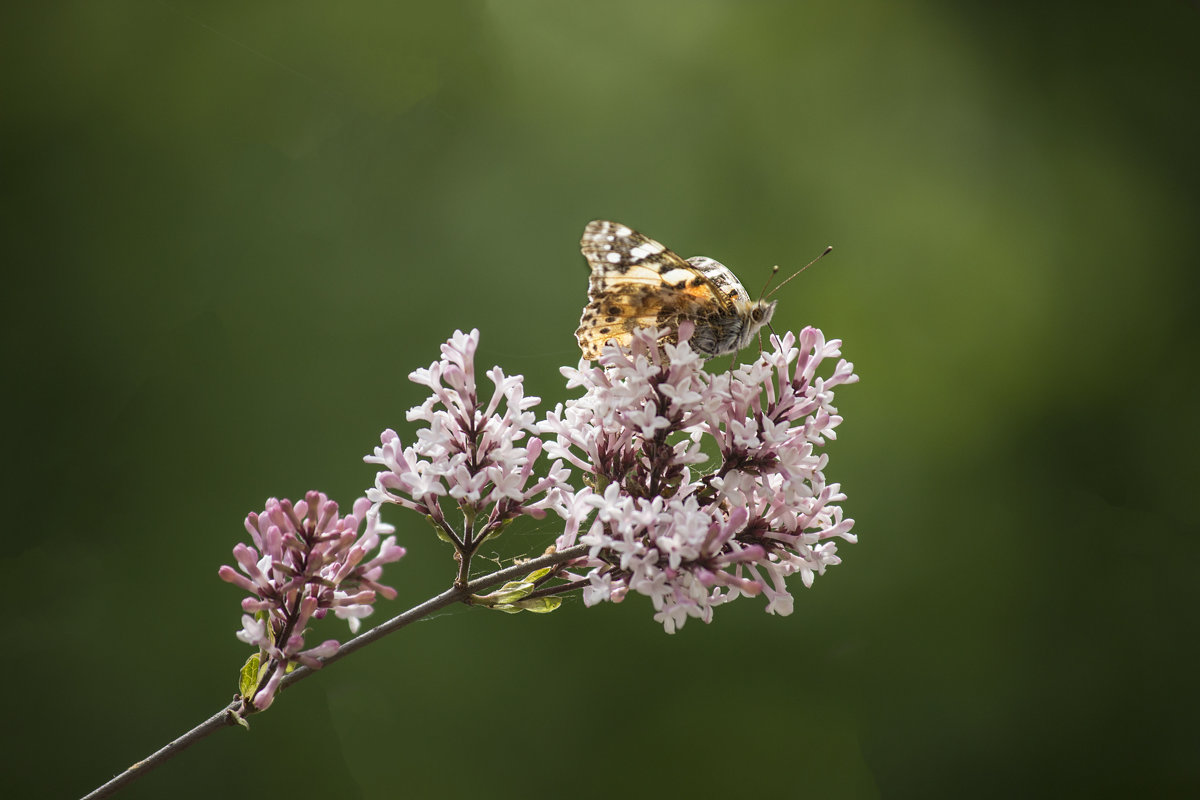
{"points": [[828, 250], [771, 277]]}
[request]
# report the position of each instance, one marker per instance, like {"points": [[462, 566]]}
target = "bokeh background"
{"points": [[232, 229]]}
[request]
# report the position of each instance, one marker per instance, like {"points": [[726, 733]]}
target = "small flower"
{"points": [[306, 560], [599, 588]]}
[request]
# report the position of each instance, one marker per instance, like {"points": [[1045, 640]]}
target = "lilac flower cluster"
{"points": [[699, 488], [468, 451], [688, 530], [312, 560]]}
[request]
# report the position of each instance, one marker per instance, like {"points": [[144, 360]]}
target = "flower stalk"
{"points": [[689, 487]]}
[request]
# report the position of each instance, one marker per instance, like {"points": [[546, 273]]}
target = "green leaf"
{"points": [[538, 605], [510, 592], [499, 529], [248, 678], [539, 574], [511, 598], [239, 719], [441, 534]]}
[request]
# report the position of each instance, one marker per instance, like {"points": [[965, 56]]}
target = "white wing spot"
{"points": [[644, 250], [614, 257], [676, 276], [623, 231]]}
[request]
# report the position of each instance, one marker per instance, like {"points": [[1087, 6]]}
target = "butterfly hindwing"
{"points": [[720, 276]]}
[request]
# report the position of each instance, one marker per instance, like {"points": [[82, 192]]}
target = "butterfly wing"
{"points": [[721, 277], [638, 283]]}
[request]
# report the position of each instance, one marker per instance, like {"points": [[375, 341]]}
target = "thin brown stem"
{"points": [[562, 588], [228, 715]]}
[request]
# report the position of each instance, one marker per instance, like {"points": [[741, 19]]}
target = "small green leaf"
{"points": [[540, 605], [441, 534], [239, 719], [499, 529], [510, 592], [539, 574], [263, 615], [248, 679], [512, 596]]}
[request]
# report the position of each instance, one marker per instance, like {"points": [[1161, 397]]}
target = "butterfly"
{"points": [[638, 283]]}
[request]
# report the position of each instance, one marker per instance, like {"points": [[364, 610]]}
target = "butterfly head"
{"points": [[760, 312], [756, 314]]}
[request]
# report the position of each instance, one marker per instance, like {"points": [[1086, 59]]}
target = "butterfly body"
{"points": [[638, 283]]}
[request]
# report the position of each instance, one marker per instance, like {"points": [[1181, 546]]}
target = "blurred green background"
{"points": [[234, 228]]}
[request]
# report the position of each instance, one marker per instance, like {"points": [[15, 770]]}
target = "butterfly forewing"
{"points": [[637, 282]]}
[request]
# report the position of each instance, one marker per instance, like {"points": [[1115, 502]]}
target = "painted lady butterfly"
{"points": [[638, 283]]}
